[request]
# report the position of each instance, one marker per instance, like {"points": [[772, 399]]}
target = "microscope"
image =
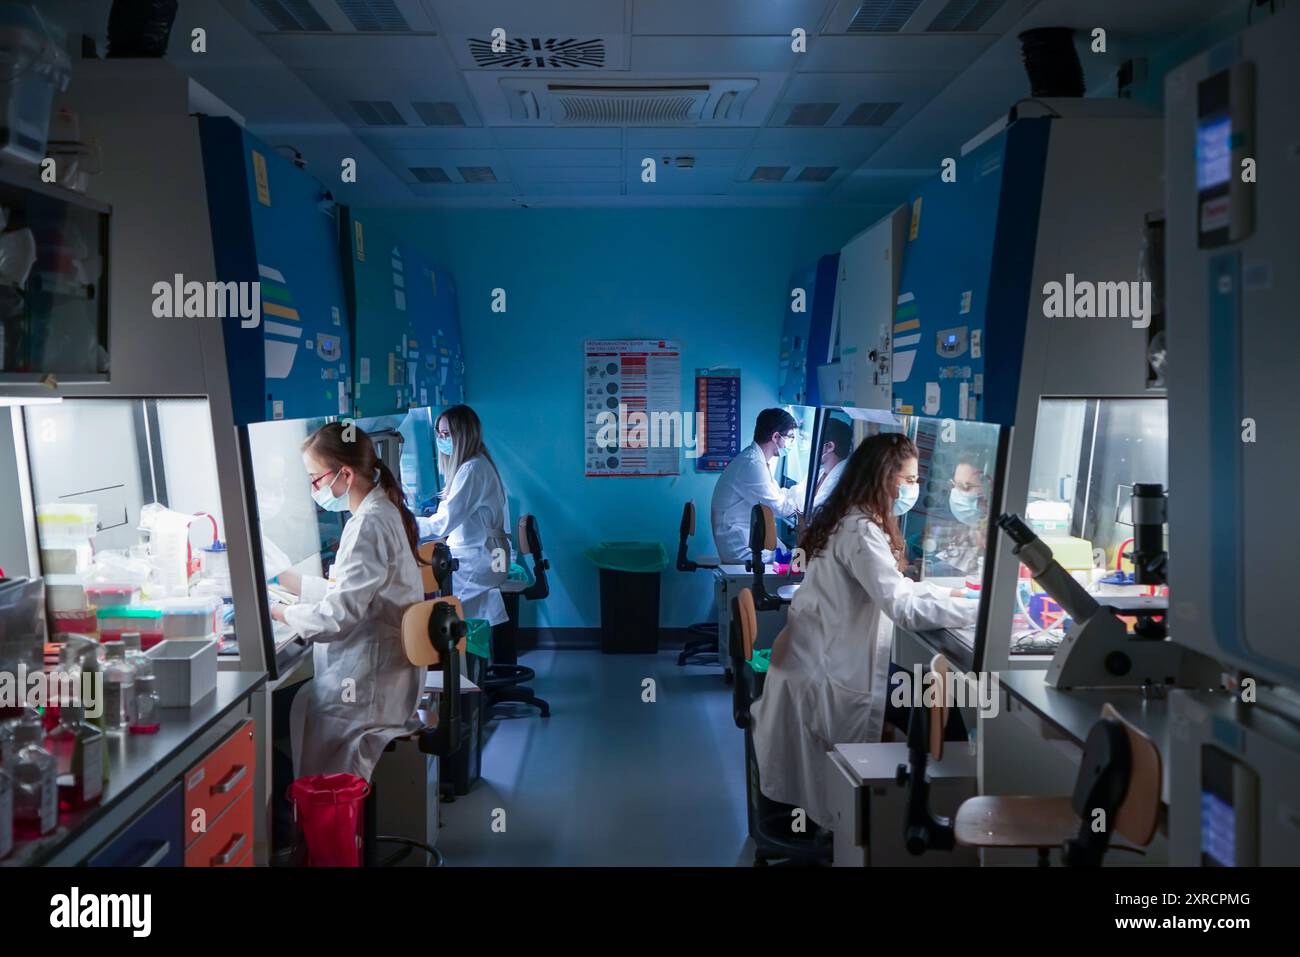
{"points": [[1098, 651]]}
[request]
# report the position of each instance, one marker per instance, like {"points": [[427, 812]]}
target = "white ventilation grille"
{"points": [[882, 16], [374, 16], [871, 114], [430, 174], [964, 16], [292, 16], [540, 53], [614, 103], [438, 114], [377, 113]]}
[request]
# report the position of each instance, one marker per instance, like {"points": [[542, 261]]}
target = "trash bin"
{"points": [[328, 808], [460, 770], [629, 595]]}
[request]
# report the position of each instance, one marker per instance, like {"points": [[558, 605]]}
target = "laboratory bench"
{"points": [[152, 789], [1071, 714]]}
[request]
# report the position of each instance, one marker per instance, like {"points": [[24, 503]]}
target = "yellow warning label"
{"points": [[916, 220], [262, 180]]}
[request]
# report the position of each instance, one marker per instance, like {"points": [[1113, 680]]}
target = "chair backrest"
{"points": [[748, 622], [415, 632], [762, 532], [688, 520], [1139, 812], [437, 575], [684, 532], [939, 710], [529, 539]]}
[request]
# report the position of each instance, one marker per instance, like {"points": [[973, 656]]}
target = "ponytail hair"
{"points": [[358, 453]]}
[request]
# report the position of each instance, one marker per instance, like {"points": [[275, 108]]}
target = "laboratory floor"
{"points": [[608, 779]]}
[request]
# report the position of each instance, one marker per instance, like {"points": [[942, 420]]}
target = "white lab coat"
{"points": [[828, 483], [472, 518], [364, 692], [745, 482], [827, 683]]}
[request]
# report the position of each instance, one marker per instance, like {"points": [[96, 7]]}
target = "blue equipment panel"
{"points": [[434, 342], [959, 323], [272, 223], [792, 375]]}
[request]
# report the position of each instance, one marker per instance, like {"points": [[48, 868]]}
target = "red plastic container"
{"points": [[147, 638], [330, 810]]}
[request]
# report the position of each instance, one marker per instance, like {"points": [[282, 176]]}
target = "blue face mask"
{"points": [[444, 445], [965, 506], [326, 499], [907, 496]]}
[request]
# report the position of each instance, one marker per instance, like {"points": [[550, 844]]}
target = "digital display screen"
{"points": [[1218, 831], [1213, 152]]}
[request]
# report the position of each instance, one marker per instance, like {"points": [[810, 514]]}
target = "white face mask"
{"points": [[326, 499], [907, 496]]}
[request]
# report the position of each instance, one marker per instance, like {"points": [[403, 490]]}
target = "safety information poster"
{"points": [[632, 402], [717, 417]]}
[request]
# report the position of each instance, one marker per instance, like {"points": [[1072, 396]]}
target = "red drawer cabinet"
{"points": [[219, 803]]}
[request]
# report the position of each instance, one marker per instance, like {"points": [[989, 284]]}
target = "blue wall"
{"points": [[715, 279]]}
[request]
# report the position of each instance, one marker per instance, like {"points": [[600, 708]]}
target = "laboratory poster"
{"points": [[632, 402], [717, 418]]}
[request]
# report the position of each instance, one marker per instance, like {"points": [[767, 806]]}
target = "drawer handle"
{"points": [[236, 845], [156, 858], [233, 778]]}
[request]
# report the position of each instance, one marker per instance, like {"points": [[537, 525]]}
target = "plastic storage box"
{"points": [[65, 593], [104, 595], [115, 622], [186, 670], [190, 617], [61, 526]]}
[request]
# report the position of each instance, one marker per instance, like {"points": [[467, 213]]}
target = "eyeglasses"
{"points": [[315, 483]]}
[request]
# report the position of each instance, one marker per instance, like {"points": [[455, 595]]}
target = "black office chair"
{"points": [[771, 823], [433, 634], [706, 632], [505, 677], [1119, 775], [762, 538]]}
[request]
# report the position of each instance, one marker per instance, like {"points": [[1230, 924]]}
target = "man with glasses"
{"points": [[748, 481], [958, 530]]}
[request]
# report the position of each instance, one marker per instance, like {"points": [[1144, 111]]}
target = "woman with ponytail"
{"points": [[827, 682], [364, 692], [471, 515]]}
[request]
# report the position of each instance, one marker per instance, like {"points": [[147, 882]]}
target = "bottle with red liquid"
{"points": [[34, 770], [146, 720], [78, 748]]}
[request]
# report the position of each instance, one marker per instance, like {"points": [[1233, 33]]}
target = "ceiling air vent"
{"points": [[768, 174], [374, 16], [540, 53], [815, 174], [964, 16], [378, 113], [430, 174], [438, 114], [292, 16], [882, 16], [810, 114], [627, 103], [477, 174], [872, 114]]}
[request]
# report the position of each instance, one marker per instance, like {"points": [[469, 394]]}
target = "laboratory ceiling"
{"points": [[562, 102]]}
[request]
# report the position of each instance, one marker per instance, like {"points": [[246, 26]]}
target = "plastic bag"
{"points": [[629, 556]]}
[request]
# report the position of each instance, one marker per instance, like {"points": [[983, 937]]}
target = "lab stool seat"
{"points": [[1015, 821]]}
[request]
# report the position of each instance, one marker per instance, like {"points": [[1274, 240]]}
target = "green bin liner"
{"points": [[478, 639], [629, 556], [519, 573], [760, 659]]}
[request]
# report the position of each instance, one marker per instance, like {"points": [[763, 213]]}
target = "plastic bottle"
{"points": [[119, 688], [35, 773], [146, 720], [142, 663], [79, 750]]}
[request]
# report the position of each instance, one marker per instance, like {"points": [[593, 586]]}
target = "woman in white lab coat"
{"points": [[471, 515], [364, 692], [827, 683]]}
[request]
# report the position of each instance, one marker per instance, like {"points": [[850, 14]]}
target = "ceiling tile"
{"points": [[727, 17]]}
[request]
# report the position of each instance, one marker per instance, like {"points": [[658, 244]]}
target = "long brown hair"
{"points": [[869, 482], [331, 444]]}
